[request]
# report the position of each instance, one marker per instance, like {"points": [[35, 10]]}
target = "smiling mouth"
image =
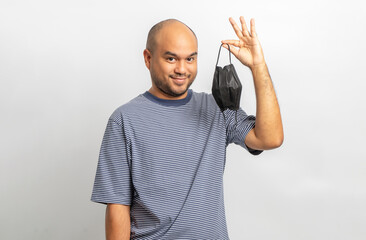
{"points": [[179, 81]]}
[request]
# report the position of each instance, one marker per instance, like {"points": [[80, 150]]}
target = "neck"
{"points": [[156, 92]]}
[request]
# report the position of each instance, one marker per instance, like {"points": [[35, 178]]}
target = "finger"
{"points": [[236, 43], [236, 28], [233, 50], [244, 27], [252, 28]]}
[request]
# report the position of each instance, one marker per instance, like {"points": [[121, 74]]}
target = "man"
{"points": [[163, 154]]}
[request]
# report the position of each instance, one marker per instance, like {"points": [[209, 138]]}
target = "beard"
{"points": [[164, 86]]}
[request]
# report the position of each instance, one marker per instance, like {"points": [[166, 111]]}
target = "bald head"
{"points": [[157, 28]]}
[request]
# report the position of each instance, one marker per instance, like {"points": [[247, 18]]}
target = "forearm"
{"points": [[268, 124], [117, 222]]}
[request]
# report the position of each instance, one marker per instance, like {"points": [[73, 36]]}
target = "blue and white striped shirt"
{"points": [[166, 158]]}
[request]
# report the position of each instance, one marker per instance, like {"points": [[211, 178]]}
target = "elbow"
{"points": [[277, 139], [278, 142], [270, 141], [273, 143]]}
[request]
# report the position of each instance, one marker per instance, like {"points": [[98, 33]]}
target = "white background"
{"points": [[66, 65]]}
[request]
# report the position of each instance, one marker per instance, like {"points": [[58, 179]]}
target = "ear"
{"points": [[147, 58]]}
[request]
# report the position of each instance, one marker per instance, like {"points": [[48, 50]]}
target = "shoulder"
{"points": [[205, 98], [127, 109]]}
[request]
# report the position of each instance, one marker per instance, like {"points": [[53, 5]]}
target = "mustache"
{"points": [[180, 76]]}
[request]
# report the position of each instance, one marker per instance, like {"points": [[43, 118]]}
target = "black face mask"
{"points": [[226, 86]]}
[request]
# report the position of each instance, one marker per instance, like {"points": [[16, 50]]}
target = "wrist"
{"points": [[258, 66]]}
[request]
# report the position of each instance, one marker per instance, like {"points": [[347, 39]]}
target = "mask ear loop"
{"points": [[236, 111], [236, 120], [217, 62], [218, 56]]}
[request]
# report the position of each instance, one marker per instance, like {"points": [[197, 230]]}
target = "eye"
{"points": [[190, 59], [170, 59]]}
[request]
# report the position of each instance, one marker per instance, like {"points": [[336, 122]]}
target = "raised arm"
{"points": [[268, 130]]}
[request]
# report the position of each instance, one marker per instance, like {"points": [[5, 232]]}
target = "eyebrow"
{"points": [[175, 55]]}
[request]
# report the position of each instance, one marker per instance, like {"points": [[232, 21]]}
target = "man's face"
{"points": [[173, 61]]}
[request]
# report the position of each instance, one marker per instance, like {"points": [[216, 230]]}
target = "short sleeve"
{"points": [[237, 128], [113, 183]]}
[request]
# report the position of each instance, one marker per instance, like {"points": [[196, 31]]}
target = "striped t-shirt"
{"points": [[166, 158]]}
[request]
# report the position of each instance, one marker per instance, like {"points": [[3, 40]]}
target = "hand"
{"points": [[247, 49]]}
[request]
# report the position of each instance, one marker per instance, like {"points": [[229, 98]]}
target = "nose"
{"points": [[180, 68]]}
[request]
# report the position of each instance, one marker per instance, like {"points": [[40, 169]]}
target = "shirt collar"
{"points": [[169, 102]]}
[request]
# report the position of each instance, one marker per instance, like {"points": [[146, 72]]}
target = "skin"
{"points": [[268, 131], [178, 39], [117, 222], [174, 57]]}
